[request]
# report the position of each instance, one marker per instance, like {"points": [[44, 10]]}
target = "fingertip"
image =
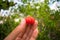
{"points": [[35, 25], [36, 31], [35, 34], [36, 22], [23, 21]]}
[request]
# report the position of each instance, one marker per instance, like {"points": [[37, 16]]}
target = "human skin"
{"points": [[23, 32]]}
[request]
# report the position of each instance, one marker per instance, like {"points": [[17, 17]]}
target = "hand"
{"points": [[23, 32]]}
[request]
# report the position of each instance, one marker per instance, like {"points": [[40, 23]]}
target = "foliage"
{"points": [[8, 25], [48, 20], [5, 4]]}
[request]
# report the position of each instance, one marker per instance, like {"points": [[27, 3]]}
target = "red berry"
{"points": [[30, 20]]}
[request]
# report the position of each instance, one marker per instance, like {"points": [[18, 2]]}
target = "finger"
{"points": [[26, 33], [28, 30], [21, 27], [32, 29], [20, 35], [32, 39], [34, 35], [35, 25], [18, 38]]}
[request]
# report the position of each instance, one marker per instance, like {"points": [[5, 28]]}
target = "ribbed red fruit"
{"points": [[30, 20]]}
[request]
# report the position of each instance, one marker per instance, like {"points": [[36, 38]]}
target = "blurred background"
{"points": [[47, 12]]}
